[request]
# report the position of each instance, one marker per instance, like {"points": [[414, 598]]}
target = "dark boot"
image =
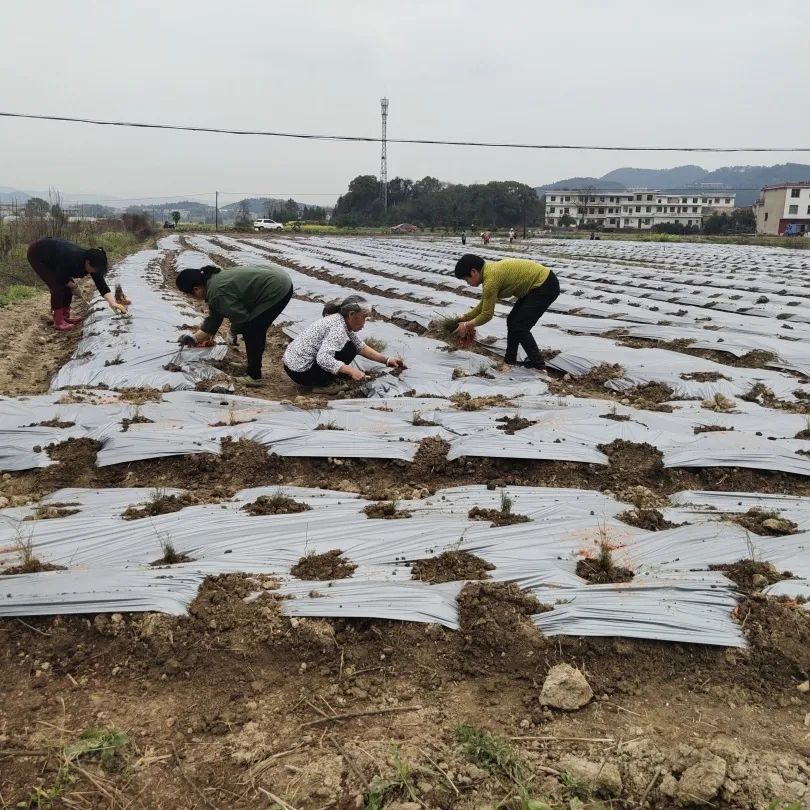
{"points": [[69, 319], [60, 322]]}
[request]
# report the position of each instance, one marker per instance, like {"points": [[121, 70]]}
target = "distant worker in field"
{"points": [[60, 264], [322, 353], [463, 238], [534, 285], [512, 235], [485, 237], [251, 298]]}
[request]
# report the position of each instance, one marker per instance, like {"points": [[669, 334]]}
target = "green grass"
{"points": [[16, 292]]}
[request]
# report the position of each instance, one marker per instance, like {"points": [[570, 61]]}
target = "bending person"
{"points": [[324, 350], [59, 263], [250, 297], [534, 285]]}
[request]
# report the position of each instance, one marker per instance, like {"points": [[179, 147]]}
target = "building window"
{"points": [[794, 192], [649, 208], [694, 209], [612, 221], [638, 209], [647, 221], [728, 200], [694, 199], [649, 197], [553, 199], [808, 209], [567, 211], [794, 209], [567, 199]]}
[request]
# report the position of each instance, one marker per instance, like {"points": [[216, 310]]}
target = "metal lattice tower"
{"points": [[384, 155]]}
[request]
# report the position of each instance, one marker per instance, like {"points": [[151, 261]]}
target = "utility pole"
{"points": [[216, 211], [384, 156]]}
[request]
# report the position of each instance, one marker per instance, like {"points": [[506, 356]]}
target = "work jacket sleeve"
{"points": [[212, 323], [101, 284]]}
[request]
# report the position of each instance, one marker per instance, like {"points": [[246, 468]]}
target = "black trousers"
{"points": [[61, 294], [525, 314], [255, 335], [317, 377]]}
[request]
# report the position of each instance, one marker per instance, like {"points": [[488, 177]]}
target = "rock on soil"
{"points": [[496, 517], [451, 566], [750, 575], [766, 523], [275, 505], [510, 424], [566, 688], [701, 782], [642, 498], [603, 777], [329, 565]]}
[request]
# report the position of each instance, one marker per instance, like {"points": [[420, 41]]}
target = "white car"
{"points": [[267, 225]]}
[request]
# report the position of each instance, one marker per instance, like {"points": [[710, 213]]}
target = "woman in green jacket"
{"points": [[251, 298]]}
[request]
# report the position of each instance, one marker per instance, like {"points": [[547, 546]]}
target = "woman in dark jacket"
{"points": [[250, 297], [59, 263]]}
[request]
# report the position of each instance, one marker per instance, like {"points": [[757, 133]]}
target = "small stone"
{"points": [[601, 776], [565, 688], [302, 667], [700, 782], [777, 525], [668, 786], [3, 502], [804, 686]]}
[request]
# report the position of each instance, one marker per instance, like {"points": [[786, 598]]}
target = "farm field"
{"points": [[271, 599]]}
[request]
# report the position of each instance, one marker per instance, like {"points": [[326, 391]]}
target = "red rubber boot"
{"points": [[60, 322], [69, 319]]}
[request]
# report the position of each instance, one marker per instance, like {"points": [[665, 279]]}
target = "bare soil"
{"points": [[752, 575], [33, 566], [160, 505], [385, 510], [766, 523], [496, 516], [451, 566], [711, 428], [598, 573], [329, 565], [275, 505], [511, 424], [650, 519]]}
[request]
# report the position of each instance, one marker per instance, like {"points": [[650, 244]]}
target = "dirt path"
{"points": [[32, 350]]}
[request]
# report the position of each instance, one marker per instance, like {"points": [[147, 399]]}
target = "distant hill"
{"points": [[746, 181]]}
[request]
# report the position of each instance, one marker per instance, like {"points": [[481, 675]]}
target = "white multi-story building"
{"points": [[634, 208], [782, 206]]}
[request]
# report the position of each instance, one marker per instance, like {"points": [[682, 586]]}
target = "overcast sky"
{"points": [[613, 72]]}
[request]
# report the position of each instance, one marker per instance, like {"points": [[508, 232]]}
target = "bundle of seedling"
{"points": [[444, 329]]}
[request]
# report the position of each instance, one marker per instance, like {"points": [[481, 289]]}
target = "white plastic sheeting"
{"points": [[134, 350], [674, 596]]}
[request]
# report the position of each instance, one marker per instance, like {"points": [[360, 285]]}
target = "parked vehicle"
{"points": [[404, 227], [267, 225]]}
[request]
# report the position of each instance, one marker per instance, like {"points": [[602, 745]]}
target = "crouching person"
{"points": [[322, 353], [250, 297]]}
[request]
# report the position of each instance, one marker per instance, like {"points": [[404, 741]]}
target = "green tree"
{"points": [[566, 220], [176, 217], [37, 207]]}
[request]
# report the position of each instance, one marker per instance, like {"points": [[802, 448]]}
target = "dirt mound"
{"points": [[603, 372], [496, 615], [616, 417], [451, 566], [430, 458], [465, 402], [650, 519], [632, 462], [171, 558], [780, 628], [711, 428], [602, 571], [275, 505], [51, 511], [651, 396], [751, 575], [33, 566], [765, 523], [134, 420], [329, 565], [496, 516], [54, 423], [385, 510], [704, 376], [161, 504], [510, 424]]}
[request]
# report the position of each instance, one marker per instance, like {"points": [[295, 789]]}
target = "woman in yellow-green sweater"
{"points": [[535, 287]]}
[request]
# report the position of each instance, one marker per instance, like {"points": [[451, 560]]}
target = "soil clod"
{"points": [[451, 566], [329, 565], [277, 504]]}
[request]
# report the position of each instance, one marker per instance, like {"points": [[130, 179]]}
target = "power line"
{"points": [[423, 141]]}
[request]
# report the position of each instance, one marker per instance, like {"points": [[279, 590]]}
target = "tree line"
{"points": [[431, 203]]}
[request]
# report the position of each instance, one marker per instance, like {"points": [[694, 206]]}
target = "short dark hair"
{"points": [[97, 259], [467, 263], [190, 278]]}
